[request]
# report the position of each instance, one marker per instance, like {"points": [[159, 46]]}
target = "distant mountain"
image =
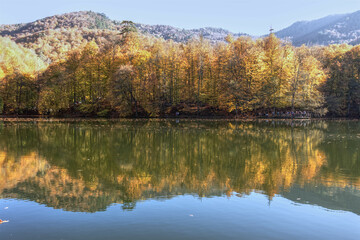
{"points": [[335, 29], [88, 20], [183, 35], [53, 36]]}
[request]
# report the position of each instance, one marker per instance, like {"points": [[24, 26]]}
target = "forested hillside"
{"points": [[113, 69], [335, 29], [53, 37]]}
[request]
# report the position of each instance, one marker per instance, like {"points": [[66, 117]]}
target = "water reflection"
{"points": [[86, 166]]}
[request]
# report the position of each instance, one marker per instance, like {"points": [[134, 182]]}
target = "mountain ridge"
{"points": [[332, 29], [99, 21]]}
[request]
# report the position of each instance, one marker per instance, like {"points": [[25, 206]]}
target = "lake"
{"points": [[179, 179]]}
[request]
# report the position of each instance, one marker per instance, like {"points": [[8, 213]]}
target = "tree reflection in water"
{"points": [[86, 166]]}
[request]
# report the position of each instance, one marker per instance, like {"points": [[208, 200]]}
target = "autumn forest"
{"points": [[135, 75]]}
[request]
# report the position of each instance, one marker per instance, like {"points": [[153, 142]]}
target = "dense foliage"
{"points": [[130, 74]]}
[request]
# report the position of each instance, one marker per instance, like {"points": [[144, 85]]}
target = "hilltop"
{"points": [[53, 36], [334, 29]]}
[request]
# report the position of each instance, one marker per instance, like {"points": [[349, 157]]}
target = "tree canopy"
{"points": [[137, 75]]}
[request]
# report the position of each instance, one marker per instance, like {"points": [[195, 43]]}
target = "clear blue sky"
{"points": [[249, 16]]}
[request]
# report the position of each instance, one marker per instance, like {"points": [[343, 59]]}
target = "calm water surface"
{"points": [[179, 180]]}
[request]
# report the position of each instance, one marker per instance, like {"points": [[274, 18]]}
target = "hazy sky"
{"points": [[249, 16]]}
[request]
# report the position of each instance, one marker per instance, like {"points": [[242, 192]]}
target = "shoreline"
{"points": [[199, 118]]}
